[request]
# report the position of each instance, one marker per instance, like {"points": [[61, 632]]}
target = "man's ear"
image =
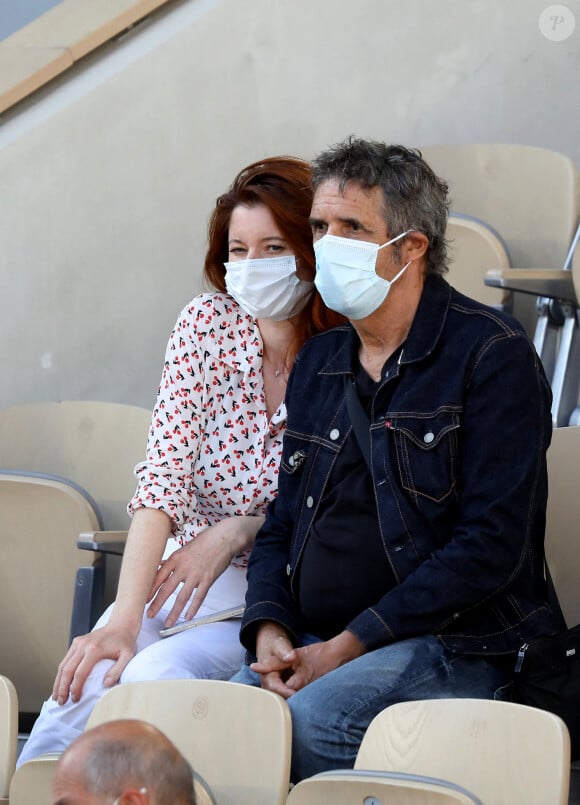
{"points": [[415, 246], [135, 796]]}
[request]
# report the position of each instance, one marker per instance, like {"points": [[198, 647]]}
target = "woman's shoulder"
{"points": [[207, 306], [209, 314]]}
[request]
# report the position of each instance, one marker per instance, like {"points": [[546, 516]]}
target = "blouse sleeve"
{"points": [[166, 476]]}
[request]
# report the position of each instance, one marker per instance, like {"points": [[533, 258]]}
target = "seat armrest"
{"points": [[551, 282], [103, 541]]}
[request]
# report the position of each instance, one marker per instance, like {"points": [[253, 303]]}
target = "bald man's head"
{"points": [[125, 761]]}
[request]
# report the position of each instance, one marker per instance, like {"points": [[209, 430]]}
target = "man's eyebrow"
{"points": [[312, 221]]}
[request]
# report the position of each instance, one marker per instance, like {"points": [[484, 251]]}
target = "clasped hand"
{"points": [[286, 670]]}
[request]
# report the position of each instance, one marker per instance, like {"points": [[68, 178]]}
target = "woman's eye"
{"points": [[238, 251], [275, 247]]}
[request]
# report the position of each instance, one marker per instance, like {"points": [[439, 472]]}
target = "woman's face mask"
{"points": [[268, 288], [346, 275]]}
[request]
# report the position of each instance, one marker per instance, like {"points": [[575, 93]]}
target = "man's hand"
{"points": [[285, 670], [276, 655]]}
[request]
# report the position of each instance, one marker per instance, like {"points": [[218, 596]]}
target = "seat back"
{"points": [[474, 248], [32, 781], [41, 519], [503, 752], [562, 520], [530, 195], [94, 444], [237, 737], [8, 733], [375, 787]]}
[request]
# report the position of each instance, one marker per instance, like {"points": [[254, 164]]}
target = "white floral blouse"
{"points": [[211, 451]]}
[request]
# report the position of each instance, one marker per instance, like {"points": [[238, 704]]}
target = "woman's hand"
{"points": [[84, 652], [117, 640], [199, 563]]}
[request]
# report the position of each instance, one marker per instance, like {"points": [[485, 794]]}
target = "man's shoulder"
{"points": [[490, 320]]}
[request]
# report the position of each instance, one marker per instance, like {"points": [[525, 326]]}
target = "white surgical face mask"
{"points": [[346, 277], [268, 288]]}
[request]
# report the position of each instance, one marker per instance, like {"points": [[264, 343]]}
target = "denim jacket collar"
{"points": [[423, 336]]}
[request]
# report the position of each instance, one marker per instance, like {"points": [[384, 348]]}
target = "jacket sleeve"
{"points": [[268, 596]]}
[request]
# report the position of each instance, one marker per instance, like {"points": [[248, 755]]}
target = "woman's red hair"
{"points": [[282, 184]]}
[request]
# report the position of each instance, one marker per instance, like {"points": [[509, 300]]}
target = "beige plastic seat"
{"points": [[32, 783], [474, 247], [8, 734], [40, 521], [93, 444], [504, 753], [237, 737], [92, 448], [562, 520], [378, 788], [530, 195]]}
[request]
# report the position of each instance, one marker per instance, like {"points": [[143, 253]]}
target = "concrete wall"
{"points": [[108, 175]]}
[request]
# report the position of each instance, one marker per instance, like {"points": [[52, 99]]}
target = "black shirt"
{"points": [[344, 568]]}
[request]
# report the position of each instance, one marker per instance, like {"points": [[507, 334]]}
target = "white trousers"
{"points": [[212, 651]]}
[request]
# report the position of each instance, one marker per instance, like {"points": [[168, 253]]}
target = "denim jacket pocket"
{"points": [[426, 449]]}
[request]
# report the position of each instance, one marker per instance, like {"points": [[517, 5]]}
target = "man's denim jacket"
{"points": [[459, 431]]}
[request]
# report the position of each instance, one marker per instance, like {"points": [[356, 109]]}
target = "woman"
{"points": [[212, 454]]}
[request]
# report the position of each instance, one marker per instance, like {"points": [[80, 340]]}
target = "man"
{"points": [[125, 762], [416, 571]]}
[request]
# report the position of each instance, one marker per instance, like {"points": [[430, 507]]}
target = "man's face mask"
{"points": [[346, 277], [268, 288]]}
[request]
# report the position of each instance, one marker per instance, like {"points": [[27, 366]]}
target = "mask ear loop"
{"points": [[401, 272], [395, 239]]}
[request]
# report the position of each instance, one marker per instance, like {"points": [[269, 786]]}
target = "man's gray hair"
{"points": [[113, 764], [415, 198]]}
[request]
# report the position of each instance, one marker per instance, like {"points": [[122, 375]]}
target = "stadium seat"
{"points": [[504, 753], [8, 734], [237, 737], [378, 788]]}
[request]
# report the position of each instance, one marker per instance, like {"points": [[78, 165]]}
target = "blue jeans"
{"points": [[330, 715]]}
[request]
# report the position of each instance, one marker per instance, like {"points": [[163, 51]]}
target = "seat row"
{"points": [[227, 730], [238, 741]]}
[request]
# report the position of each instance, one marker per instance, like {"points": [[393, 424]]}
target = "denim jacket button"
{"points": [[428, 437], [310, 501], [334, 434]]}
